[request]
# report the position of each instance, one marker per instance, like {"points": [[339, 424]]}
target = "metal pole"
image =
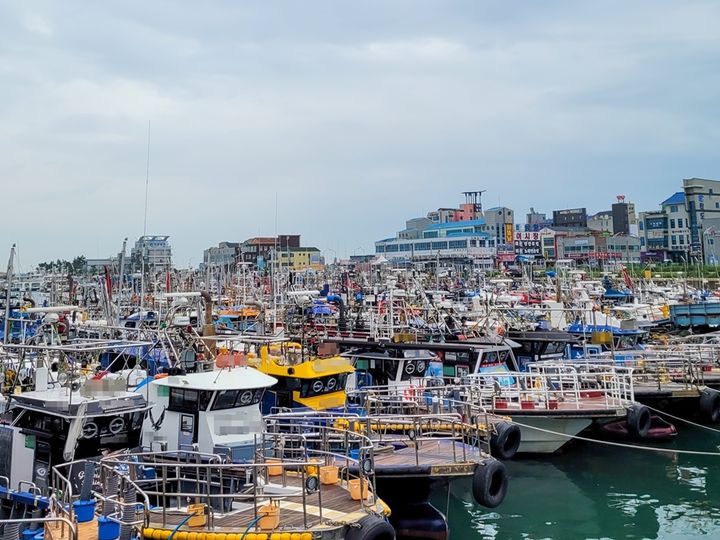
{"points": [[8, 280]]}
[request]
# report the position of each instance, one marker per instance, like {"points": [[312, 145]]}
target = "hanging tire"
{"points": [[490, 483], [505, 441], [638, 420], [710, 405], [371, 528]]}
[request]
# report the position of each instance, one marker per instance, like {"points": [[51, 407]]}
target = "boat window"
{"points": [[490, 357], [184, 400], [323, 385], [225, 400], [229, 399], [413, 369]]}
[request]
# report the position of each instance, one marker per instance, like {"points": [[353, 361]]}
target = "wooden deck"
{"points": [[326, 509], [59, 531]]}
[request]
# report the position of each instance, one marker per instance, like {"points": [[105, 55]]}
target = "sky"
{"points": [[338, 120]]}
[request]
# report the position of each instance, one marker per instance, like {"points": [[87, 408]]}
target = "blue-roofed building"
{"points": [[464, 233], [665, 234]]}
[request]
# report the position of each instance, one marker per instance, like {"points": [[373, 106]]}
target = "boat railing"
{"points": [[649, 368], [555, 386], [175, 486], [420, 431], [615, 382], [111, 485], [44, 521], [453, 403]]}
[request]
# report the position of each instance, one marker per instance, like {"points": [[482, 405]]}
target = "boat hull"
{"points": [[535, 436]]}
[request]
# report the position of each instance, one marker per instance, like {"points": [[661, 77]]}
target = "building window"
{"points": [[457, 244], [673, 239], [379, 249], [682, 239], [672, 223], [673, 208], [439, 245], [423, 246]]}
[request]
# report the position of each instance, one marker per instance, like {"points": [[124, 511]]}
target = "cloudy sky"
{"points": [[353, 116]]}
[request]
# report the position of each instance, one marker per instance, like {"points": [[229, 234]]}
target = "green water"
{"points": [[600, 492]]}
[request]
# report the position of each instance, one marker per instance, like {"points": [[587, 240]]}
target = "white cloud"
{"points": [[38, 25]]}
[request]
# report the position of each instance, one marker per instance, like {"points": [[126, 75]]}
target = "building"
{"points": [[151, 252], [460, 239], [624, 218], [225, 255], [256, 251], [702, 203], [597, 247], [570, 218], [601, 222], [300, 258], [452, 233], [534, 221], [500, 223], [665, 234]]}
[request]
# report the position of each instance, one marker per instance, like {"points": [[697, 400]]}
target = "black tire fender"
{"points": [[490, 483], [638, 420], [371, 528], [505, 440], [710, 405]]}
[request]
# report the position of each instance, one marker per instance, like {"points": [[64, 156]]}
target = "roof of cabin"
{"points": [[239, 378]]}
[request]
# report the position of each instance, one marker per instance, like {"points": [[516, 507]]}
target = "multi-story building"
{"points": [[665, 235], [596, 247], [534, 221], [225, 255], [702, 202], [570, 218], [458, 233], [460, 239], [601, 222], [300, 258], [257, 250], [154, 251], [500, 223]]}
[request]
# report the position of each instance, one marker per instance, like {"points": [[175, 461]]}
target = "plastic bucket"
{"points": [[84, 510]]}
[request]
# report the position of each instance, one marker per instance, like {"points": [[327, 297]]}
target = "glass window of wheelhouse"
{"points": [[230, 399], [185, 400], [323, 385]]}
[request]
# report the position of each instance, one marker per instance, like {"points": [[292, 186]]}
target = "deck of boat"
{"points": [[590, 404], [316, 511]]}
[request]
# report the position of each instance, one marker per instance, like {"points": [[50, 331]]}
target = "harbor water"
{"points": [[594, 491]]}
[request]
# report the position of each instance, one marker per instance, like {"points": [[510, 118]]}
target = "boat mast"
{"points": [[144, 242], [120, 280], [8, 279]]}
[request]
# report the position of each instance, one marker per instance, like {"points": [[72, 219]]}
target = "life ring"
{"points": [[371, 528], [710, 405], [505, 441], [638, 420], [490, 483], [90, 430], [116, 425]]}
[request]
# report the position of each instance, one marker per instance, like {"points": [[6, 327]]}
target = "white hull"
{"points": [[541, 442]]}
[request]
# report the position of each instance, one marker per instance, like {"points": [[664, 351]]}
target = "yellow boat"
{"points": [[314, 380]]}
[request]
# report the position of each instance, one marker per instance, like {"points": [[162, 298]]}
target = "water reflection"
{"points": [[596, 492]]}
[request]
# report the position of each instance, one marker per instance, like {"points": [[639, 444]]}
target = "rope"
{"points": [[714, 430], [622, 445]]}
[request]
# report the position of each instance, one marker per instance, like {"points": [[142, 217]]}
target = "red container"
{"points": [[501, 404], [553, 404], [527, 405]]}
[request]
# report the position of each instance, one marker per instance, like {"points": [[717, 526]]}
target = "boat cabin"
{"points": [[211, 412]]}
